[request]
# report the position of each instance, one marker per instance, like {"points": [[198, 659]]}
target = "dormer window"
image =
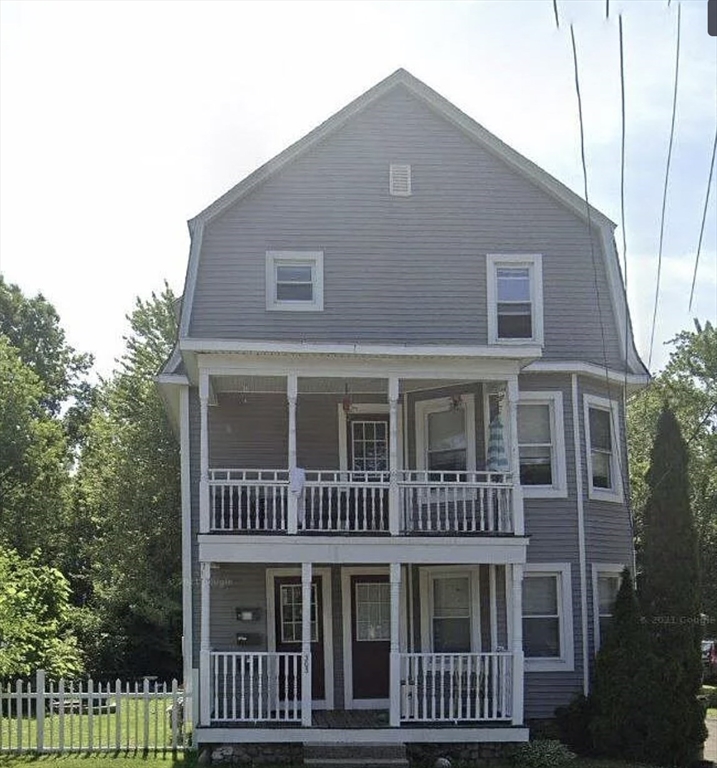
{"points": [[295, 281], [515, 298]]}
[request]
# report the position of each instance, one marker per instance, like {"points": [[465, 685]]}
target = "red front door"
{"points": [[287, 613], [370, 636]]}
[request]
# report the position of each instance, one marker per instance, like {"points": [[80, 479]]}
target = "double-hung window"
{"points": [[547, 617], [602, 446], [295, 281], [515, 298], [606, 583], [541, 444]]}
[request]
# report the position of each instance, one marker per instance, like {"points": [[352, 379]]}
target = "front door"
{"points": [[370, 636], [368, 458], [288, 606]]}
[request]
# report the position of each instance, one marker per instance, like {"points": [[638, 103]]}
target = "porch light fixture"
{"points": [[456, 402]]}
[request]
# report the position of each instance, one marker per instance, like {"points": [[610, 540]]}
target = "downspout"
{"points": [[187, 644], [581, 533]]}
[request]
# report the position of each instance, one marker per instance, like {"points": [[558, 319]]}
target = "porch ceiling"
{"points": [[328, 385]]}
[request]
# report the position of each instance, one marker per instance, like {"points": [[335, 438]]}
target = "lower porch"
{"points": [[400, 647]]}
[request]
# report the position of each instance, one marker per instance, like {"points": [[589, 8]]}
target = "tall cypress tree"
{"points": [[670, 599]]}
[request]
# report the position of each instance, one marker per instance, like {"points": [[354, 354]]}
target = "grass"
{"points": [[121, 760]]}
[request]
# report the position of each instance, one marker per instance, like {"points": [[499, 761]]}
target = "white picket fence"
{"points": [[87, 716]]}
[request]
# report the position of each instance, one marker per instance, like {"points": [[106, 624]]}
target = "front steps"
{"points": [[355, 755]]}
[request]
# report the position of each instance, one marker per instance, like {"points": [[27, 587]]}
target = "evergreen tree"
{"points": [[626, 679], [670, 599]]}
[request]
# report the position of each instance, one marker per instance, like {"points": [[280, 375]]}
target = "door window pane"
{"points": [[290, 613], [373, 611], [369, 446], [447, 440]]}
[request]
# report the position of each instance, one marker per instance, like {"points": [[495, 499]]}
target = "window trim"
{"points": [[598, 570], [559, 487], [614, 494], [438, 405], [315, 259], [427, 575], [534, 262], [566, 661]]}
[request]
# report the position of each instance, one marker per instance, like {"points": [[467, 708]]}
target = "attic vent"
{"points": [[399, 180]]}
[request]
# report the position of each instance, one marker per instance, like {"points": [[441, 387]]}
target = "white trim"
{"points": [[559, 488], [422, 410], [445, 734], [186, 495], [346, 612], [426, 577], [601, 569], [534, 262], [372, 550], [566, 662], [633, 380], [325, 573], [196, 234], [582, 556], [313, 259], [525, 350], [368, 408], [612, 407]]}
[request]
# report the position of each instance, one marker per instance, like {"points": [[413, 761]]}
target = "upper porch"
{"points": [[334, 445]]}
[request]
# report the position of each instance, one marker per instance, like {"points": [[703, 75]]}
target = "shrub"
{"points": [[573, 723], [544, 753]]}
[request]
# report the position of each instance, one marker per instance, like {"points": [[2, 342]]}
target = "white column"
{"points": [[205, 695], [395, 662], [493, 608], [517, 645], [292, 390], [204, 452], [393, 495], [514, 458], [306, 645]]}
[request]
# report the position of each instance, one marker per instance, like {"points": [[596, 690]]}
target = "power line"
{"points": [[704, 219], [664, 195], [555, 11], [622, 190]]}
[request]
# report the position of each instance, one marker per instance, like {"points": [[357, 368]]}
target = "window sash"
{"points": [[536, 456], [514, 302], [292, 283], [542, 636], [451, 623]]}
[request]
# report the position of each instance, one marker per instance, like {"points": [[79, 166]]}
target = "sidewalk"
{"points": [[711, 743]]}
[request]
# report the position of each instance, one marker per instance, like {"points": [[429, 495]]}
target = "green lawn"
{"points": [[97, 761]]}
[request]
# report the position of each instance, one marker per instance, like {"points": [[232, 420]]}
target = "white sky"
{"points": [[121, 120]]}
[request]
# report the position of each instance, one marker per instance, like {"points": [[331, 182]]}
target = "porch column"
{"points": [[292, 390], [205, 692], [395, 664], [203, 452], [393, 495], [514, 458], [517, 646], [306, 645]]}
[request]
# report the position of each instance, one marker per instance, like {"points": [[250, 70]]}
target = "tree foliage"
{"points": [[689, 385], [127, 503], [34, 619]]}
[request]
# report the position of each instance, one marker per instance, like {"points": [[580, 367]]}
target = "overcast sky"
{"points": [[121, 120]]}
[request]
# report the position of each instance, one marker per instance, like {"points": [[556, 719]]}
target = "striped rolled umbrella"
{"points": [[497, 455]]}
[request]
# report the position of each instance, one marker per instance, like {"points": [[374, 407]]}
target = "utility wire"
{"points": [[607, 9], [622, 191], [555, 11], [664, 195], [704, 219]]}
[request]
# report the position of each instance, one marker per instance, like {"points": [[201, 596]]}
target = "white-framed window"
{"points": [[541, 445], [290, 617], [295, 281], [445, 434], [602, 446], [515, 298], [373, 611], [548, 617], [606, 584], [450, 614], [399, 180]]}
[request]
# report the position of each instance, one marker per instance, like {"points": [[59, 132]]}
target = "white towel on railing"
{"points": [[297, 479]]}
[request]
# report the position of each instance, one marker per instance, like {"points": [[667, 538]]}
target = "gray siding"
{"points": [[400, 270]]}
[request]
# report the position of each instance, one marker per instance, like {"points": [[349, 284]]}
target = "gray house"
{"points": [[399, 384]]}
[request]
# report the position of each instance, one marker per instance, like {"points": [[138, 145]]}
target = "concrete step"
{"points": [[368, 755]]}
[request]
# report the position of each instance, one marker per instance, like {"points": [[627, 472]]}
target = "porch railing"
{"points": [[248, 499], [256, 687], [260, 500], [355, 502], [456, 502], [453, 687]]}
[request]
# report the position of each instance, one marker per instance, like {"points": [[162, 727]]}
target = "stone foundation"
{"points": [[461, 755], [258, 754]]}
